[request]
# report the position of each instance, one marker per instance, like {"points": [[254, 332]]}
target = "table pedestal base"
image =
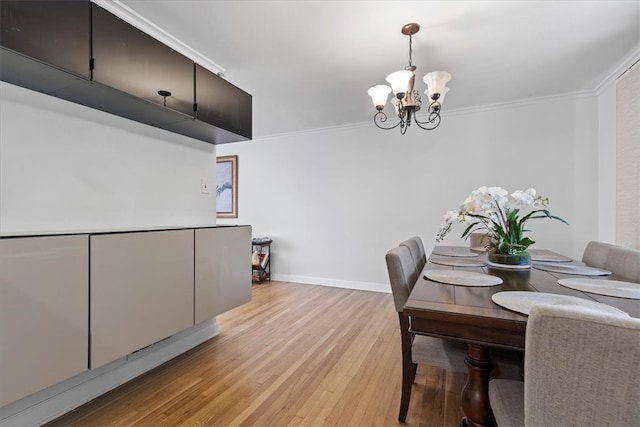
{"points": [[475, 403]]}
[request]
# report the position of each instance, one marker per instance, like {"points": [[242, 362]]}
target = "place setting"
{"points": [[462, 278], [612, 288], [454, 251], [545, 255], [458, 261], [523, 302], [565, 268]]}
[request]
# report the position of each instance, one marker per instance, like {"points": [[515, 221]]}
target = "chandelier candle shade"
{"points": [[405, 100]]}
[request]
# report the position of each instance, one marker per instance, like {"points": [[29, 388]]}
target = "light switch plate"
{"points": [[204, 186]]}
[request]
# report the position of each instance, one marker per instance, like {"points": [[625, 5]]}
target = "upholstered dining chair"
{"points": [[581, 369], [624, 263], [418, 254], [595, 253], [416, 348]]}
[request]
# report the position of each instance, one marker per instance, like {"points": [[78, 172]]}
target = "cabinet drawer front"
{"points": [[222, 104], [54, 32], [223, 270], [131, 61], [141, 290], [44, 294]]}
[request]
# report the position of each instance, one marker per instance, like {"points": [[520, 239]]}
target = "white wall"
{"points": [[67, 167], [607, 164], [336, 200]]}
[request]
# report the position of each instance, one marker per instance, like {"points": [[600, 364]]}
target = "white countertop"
{"points": [[33, 233]]}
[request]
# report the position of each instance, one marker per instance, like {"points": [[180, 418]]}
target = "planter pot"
{"points": [[508, 259]]}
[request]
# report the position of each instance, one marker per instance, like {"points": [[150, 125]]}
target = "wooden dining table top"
{"points": [[474, 307]]}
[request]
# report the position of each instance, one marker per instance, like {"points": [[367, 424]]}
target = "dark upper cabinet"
{"points": [[222, 104], [54, 32], [48, 46], [133, 62]]}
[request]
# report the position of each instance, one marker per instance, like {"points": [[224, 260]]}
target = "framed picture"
{"points": [[227, 187]]}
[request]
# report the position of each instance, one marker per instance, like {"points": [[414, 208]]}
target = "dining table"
{"points": [[470, 315]]}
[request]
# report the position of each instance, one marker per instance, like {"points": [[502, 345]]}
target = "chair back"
{"points": [[416, 249], [595, 253], [423, 255], [402, 274], [581, 368], [624, 263]]}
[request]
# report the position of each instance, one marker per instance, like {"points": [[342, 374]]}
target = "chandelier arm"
{"points": [[404, 128], [434, 117], [381, 117]]}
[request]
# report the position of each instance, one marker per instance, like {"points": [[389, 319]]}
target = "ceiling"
{"points": [[309, 64]]}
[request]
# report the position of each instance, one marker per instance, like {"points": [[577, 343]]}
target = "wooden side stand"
{"points": [[261, 261]]}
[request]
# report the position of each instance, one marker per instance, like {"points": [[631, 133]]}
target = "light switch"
{"points": [[204, 186]]}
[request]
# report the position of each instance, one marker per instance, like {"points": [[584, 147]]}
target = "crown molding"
{"points": [[519, 103], [617, 71], [445, 114], [143, 24]]}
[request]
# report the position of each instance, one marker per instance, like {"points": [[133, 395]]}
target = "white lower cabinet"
{"points": [[141, 290], [222, 270], [43, 312]]}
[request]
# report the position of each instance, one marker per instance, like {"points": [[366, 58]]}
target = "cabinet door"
{"points": [[141, 290], [222, 104], [223, 270], [133, 62], [54, 32], [44, 313]]}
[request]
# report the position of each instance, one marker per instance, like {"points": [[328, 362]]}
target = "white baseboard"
{"points": [[54, 401], [347, 284]]}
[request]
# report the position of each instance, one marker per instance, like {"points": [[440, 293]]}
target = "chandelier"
{"points": [[406, 100]]}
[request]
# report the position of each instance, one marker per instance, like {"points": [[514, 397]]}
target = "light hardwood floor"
{"points": [[296, 355]]}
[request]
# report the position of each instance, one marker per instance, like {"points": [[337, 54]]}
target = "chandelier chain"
{"points": [[410, 49]]}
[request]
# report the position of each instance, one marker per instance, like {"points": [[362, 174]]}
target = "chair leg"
{"points": [[405, 397], [408, 368]]}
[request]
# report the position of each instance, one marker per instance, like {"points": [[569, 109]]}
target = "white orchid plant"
{"points": [[495, 210]]}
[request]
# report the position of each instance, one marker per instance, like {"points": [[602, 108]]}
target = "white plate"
{"points": [[612, 288], [462, 278], [523, 302], [580, 270]]}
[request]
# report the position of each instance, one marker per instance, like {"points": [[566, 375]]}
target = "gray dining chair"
{"points": [[595, 253], [446, 354], [624, 263], [418, 255], [581, 369], [416, 348]]}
